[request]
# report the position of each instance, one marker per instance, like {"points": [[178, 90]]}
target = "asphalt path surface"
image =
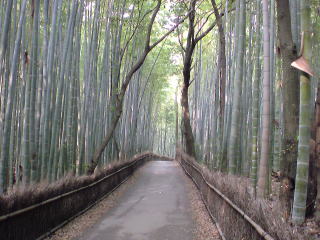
{"points": [[155, 207]]}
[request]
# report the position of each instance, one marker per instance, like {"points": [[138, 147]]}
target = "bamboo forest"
{"points": [[160, 119]]}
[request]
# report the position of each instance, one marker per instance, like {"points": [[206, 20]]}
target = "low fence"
{"points": [[42, 218], [232, 222]]}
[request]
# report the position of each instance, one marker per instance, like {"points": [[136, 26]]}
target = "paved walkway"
{"points": [[156, 207]]}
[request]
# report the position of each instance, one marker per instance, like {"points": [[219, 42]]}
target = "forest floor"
{"points": [[158, 202]]}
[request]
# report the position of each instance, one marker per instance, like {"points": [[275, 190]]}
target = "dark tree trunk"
{"points": [[187, 130], [290, 95], [192, 40]]}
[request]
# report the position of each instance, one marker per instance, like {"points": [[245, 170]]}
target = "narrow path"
{"points": [[155, 207]]}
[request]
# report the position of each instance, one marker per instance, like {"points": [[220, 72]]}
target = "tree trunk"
{"points": [[192, 41], [290, 99], [187, 130], [97, 154]]}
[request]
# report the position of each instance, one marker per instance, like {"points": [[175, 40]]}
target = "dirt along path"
{"points": [[158, 203]]}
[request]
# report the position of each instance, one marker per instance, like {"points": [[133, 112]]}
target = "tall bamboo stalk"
{"points": [[235, 116], [265, 140], [301, 186]]}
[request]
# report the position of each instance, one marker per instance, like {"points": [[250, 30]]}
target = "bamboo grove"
{"points": [[87, 82], [250, 75], [63, 64]]}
